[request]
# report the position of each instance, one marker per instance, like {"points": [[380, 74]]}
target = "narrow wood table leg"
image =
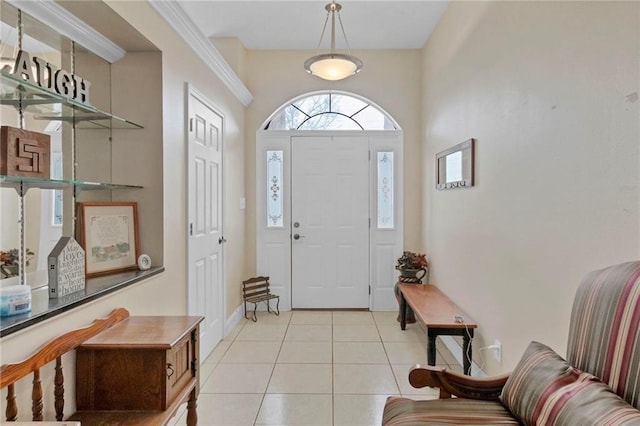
{"points": [[403, 311], [192, 405], [431, 348], [467, 353]]}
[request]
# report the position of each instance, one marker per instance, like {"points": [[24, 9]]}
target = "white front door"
{"points": [[205, 267], [330, 222]]}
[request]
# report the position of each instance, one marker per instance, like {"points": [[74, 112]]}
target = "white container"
{"points": [[15, 300]]}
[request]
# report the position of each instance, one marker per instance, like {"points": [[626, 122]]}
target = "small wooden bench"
{"points": [[440, 316], [54, 350], [256, 290]]}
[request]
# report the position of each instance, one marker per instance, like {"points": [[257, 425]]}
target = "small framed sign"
{"points": [[66, 268], [108, 232]]}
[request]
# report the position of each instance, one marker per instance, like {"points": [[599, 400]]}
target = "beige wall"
{"points": [[389, 78], [166, 293], [550, 92]]}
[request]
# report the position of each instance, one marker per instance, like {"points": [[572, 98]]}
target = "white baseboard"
{"points": [[456, 351], [233, 320]]}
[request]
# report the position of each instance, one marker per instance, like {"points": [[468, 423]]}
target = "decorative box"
{"points": [[24, 153]]}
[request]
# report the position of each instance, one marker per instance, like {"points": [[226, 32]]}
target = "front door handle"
{"points": [[297, 236]]}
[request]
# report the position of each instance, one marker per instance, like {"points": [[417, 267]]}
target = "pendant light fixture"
{"points": [[333, 66]]}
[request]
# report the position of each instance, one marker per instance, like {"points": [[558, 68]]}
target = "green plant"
{"points": [[12, 257], [411, 260]]}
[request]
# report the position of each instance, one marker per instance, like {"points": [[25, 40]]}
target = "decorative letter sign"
{"points": [[66, 268], [50, 77], [24, 153]]}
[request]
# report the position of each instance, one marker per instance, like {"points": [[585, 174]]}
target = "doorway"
{"points": [[306, 153], [330, 213], [205, 254]]}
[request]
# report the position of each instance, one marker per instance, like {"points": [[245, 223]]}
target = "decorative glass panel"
{"points": [[330, 111], [330, 121], [274, 189], [385, 190]]}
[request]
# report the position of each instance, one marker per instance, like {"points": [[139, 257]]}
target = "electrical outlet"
{"points": [[497, 351]]}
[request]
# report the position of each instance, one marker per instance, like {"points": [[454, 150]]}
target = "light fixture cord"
{"points": [[344, 34], [324, 28]]}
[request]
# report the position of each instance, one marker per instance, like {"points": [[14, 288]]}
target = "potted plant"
{"points": [[10, 262], [410, 264]]}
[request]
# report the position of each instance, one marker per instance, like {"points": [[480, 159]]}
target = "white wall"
{"points": [[550, 91], [390, 78]]}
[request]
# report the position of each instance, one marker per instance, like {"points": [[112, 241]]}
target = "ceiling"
{"points": [[368, 24]]}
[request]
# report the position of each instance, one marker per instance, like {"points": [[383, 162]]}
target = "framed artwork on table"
{"points": [[108, 232]]}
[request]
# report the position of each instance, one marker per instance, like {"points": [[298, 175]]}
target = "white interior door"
{"points": [[330, 222], [205, 270]]}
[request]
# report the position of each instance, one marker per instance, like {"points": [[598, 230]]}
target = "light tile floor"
{"points": [[312, 368]]}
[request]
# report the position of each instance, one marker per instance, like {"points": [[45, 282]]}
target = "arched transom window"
{"points": [[330, 111]]}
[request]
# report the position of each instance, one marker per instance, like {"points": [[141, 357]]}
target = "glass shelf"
{"points": [[22, 184], [47, 105]]}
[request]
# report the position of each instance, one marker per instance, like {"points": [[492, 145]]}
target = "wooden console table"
{"points": [[139, 372], [438, 314]]}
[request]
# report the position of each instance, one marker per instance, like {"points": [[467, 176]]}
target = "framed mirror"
{"points": [[454, 166]]}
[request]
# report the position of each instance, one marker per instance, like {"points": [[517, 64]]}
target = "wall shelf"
{"points": [[21, 184], [47, 105], [43, 308]]}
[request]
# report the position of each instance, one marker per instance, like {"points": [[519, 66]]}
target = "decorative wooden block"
{"points": [[66, 268], [24, 153]]}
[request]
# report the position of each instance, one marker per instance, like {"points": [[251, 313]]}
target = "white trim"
{"points": [[64, 22], [235, 318], [178, 19]]}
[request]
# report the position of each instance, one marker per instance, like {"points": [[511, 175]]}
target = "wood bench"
{"points": [[115, 325], [440, 316], [256, 290]]}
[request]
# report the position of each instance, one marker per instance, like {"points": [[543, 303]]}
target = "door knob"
{"points": [[297, 236]]}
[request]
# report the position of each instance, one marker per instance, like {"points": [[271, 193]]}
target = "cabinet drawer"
{"points": [[180, 366]]}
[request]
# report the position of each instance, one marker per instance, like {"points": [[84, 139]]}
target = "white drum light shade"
{"points": [[333, 66]]}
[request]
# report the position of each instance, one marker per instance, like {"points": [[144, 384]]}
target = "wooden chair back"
{"points": [[53, 350]]}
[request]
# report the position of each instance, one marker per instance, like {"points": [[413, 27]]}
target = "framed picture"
{"points": [[108, 232], [454, 166]]}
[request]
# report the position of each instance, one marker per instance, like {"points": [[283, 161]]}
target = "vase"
{"points": [[408, 276], [10, 270], [413, 273]]}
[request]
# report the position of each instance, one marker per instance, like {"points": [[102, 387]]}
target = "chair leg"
{"points": [[245, 310], [278, 307], [255, 317]]}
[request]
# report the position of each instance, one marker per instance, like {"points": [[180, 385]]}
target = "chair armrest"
{"points": [[452, 383]]}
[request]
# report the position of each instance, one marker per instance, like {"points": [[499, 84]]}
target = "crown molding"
{"points": [[178, 19], [67, 24]]}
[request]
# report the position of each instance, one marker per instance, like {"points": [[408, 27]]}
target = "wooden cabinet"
{"points": [[142, 363]]}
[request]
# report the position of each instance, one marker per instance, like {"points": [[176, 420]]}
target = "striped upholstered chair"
{"points": [[598, 384]]}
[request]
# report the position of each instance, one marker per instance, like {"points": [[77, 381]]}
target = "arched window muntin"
{"points": [[330, 110]]}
